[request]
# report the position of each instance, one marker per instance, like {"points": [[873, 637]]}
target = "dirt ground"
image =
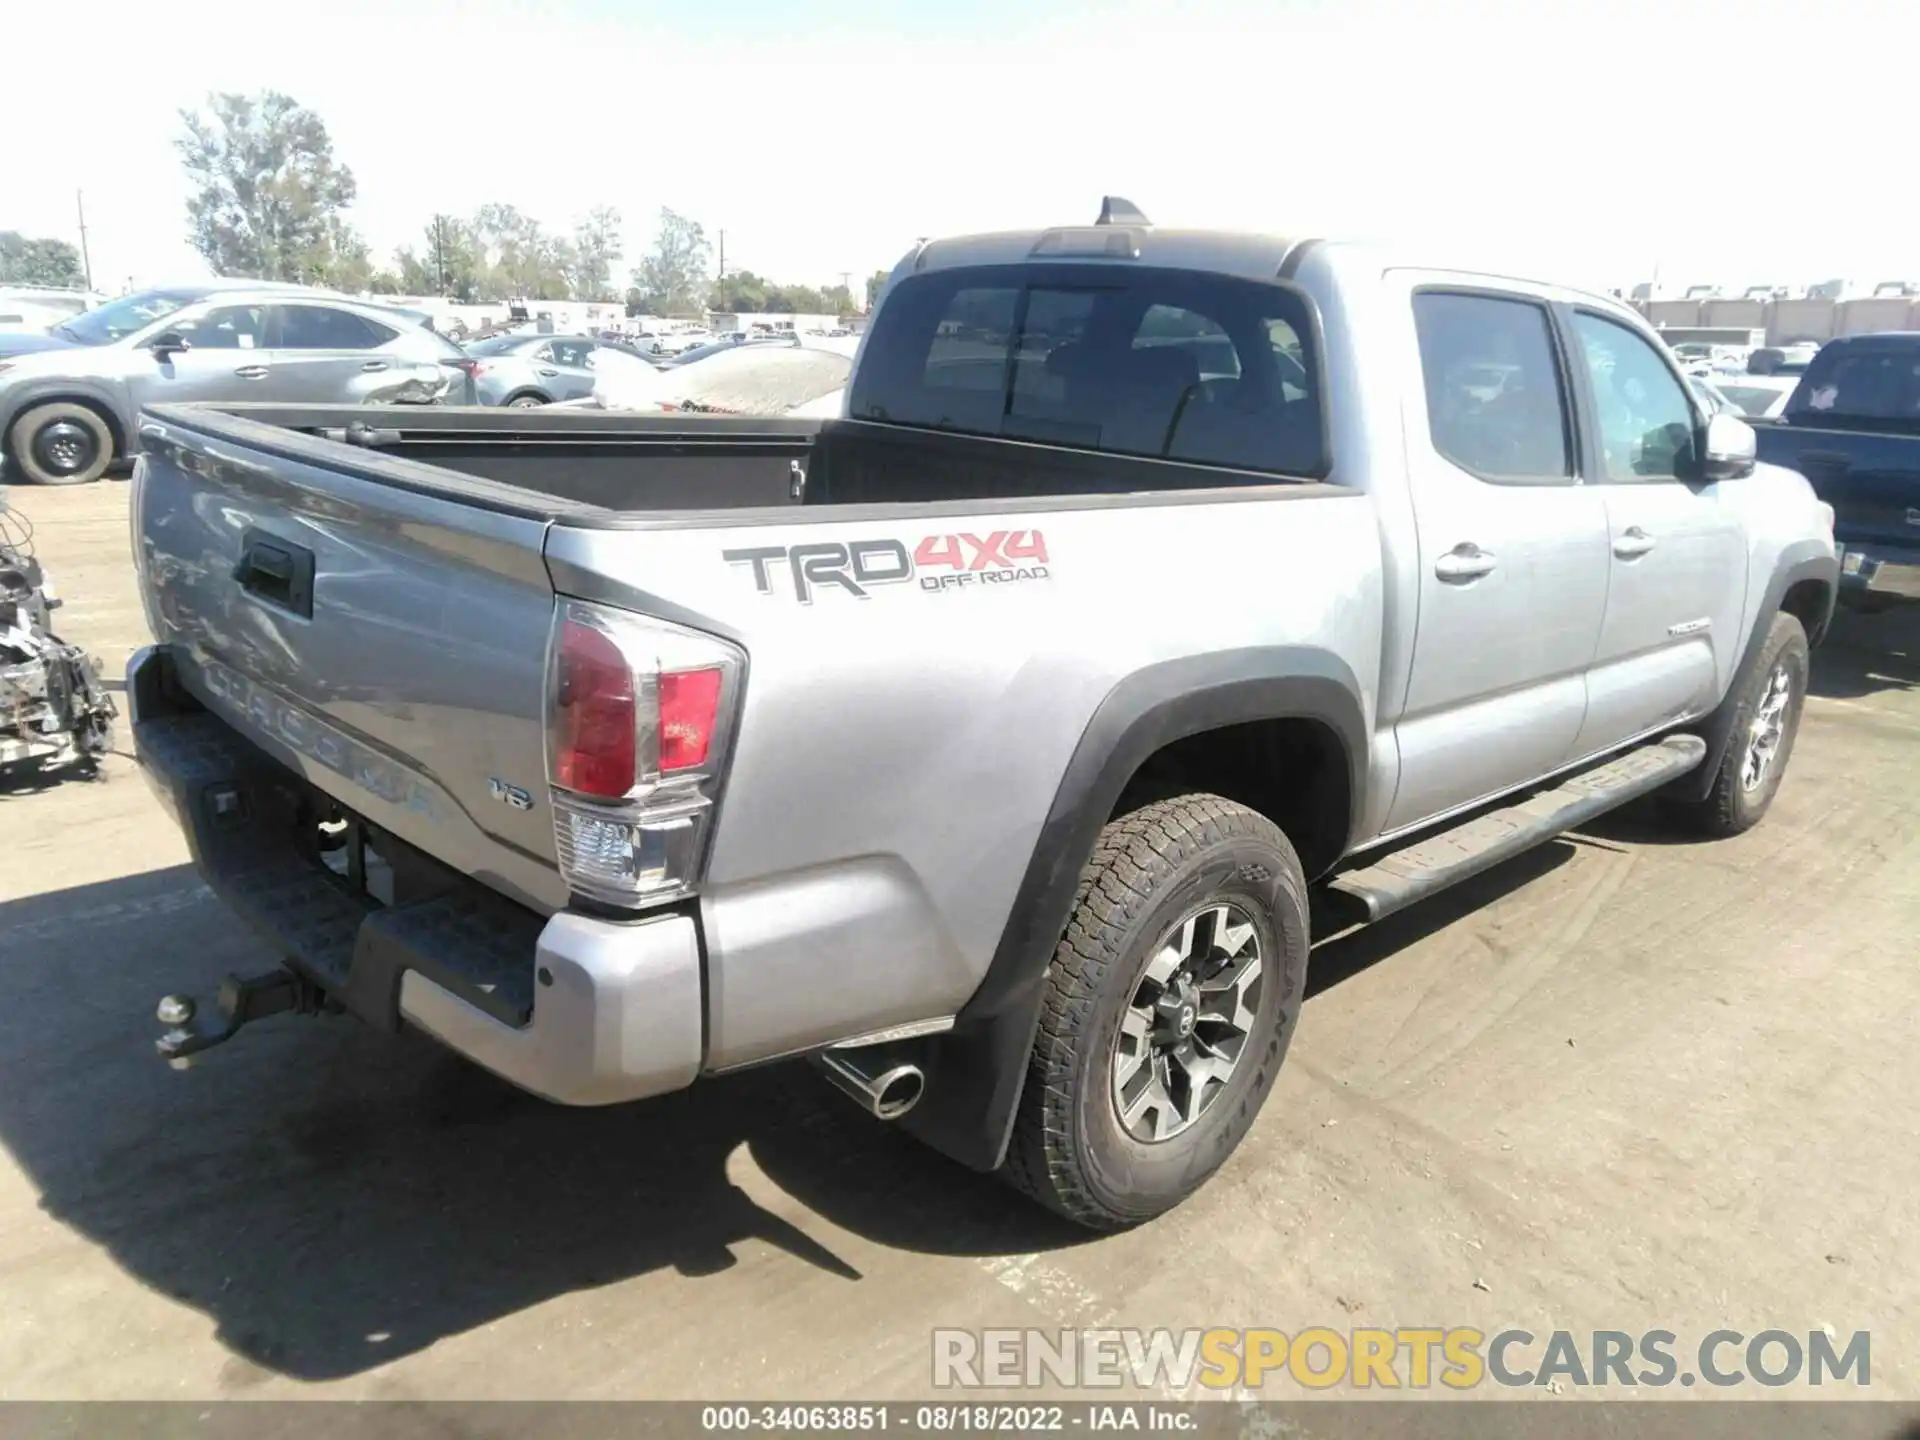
{"points": [[1623, 1083]]}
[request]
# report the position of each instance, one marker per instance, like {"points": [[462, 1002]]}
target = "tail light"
{"points": [[640, 715]]}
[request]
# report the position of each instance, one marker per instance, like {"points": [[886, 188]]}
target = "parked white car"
{"points": [[797, 379], [1762, 397]]}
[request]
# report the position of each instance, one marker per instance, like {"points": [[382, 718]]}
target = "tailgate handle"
{"points": [[277, 571]]}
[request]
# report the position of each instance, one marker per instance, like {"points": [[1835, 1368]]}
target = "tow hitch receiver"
{"points": [[240, 1002]]}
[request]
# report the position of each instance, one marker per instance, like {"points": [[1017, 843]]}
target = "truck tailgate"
{"points": [[385, 640]]}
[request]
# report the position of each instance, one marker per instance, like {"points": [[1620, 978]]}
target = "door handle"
{"points": [[252, 372], [374, 365], [277, 571], [1466, 561], [545, 371], [1632, 543]]}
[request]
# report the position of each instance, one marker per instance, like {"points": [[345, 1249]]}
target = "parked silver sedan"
{"points": [[526, 368], [69, 410]]}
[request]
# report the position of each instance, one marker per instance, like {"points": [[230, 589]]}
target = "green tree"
{"points": [[876, 282], [450, 262], [741, 293], [672, 278], [26, 261], [836, 300], [341, 262], [520, 257], [795, 300], [269, 197], [596, 249]]}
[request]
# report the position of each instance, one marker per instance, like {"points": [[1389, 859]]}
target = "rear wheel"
{"points": [[1168, 1008], [61, 444], [525, 402], [1765, 721]]}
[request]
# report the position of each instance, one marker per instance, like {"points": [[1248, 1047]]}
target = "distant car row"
{"points": [[525, 368], [70, 398]]}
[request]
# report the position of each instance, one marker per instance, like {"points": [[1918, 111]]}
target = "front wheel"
{"points": [[1167, 1011], [525, 402], [61, 444], [1766, 719]]}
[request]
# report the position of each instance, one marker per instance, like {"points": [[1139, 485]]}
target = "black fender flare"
{"points": [[1803, 560], [976, 1071]]}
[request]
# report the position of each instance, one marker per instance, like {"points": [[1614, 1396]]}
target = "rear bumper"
{"points": [[1888, 571], [575, 1008]]}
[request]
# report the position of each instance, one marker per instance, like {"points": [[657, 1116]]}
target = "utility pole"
{"points": [[723, 257], [86, 260]]}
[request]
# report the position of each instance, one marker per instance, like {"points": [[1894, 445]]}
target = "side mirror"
{"points": [[166, 346], [1727, 448]]}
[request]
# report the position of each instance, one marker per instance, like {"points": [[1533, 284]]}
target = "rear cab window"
{"points": [[1496, 398], [1164, 364], [1866, 384]]}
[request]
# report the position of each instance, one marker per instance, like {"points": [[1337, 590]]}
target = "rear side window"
{"points": [[1874, 383], [315, 327], [1163, 363], [1496, 406]]}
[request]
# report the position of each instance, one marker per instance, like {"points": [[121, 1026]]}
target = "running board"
{"points": [[1399, 878]]}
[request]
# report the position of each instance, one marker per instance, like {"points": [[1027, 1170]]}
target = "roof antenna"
{"points": [[1115, 211]]}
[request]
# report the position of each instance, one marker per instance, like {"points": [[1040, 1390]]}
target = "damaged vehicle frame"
{"points": [[54, 712]]}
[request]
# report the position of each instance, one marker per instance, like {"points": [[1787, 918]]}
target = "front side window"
{"points": [[1171, 364], [1495, 403], [1646, 421], [225, 327]]}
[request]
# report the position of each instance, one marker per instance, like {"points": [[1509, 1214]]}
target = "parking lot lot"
{"points": [[1623, 1083]]}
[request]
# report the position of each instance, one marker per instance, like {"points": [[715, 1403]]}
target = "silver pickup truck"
{"points": [[980, 744]]}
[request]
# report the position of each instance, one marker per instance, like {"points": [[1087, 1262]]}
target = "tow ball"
{"points": [[240, 1002]]}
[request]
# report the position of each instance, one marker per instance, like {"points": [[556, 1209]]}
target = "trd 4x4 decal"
{"points": [[938, 562]]}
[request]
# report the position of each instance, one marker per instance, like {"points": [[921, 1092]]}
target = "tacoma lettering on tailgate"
{"points": [[937, 562], [317, 740]]}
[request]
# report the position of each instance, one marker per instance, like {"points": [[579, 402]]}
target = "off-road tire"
{"points": [[1069, 1149], [1729, 807], [20, 443]]}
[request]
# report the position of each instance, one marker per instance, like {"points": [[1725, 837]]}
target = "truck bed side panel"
{"points": [[416, 680], [901, 746]]}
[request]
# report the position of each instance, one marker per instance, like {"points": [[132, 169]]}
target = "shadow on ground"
{"points": [[314, 1184], [1865, 654], [1348, 951]]}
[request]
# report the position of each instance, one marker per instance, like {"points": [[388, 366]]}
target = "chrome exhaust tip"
{"points": [[883, 1085]]}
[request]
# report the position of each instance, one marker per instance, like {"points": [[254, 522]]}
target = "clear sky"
{"points": [[1742, 141]]}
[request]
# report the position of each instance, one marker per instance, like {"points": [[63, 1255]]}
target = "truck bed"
{"points": [[582, 458], [595, 466]]}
